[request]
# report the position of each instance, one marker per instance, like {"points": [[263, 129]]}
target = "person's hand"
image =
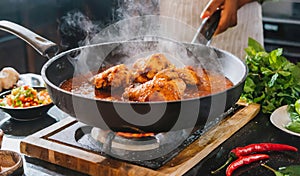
{"points": [[228, 15]]}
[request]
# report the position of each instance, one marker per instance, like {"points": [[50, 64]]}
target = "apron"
{"points": [[187, 13], [234, 40]]}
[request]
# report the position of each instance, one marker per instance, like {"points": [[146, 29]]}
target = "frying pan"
{"points": [[132, 116]]}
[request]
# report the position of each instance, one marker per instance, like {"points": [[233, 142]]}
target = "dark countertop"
{"points": [[258, 130], [15, 131]]}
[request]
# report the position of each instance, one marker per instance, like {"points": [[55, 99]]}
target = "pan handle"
{"points": [[207, 28], [43, 46]]}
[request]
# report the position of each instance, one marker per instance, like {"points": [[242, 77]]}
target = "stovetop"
{"points": [[170, 143], [20, 129], [78, 135], [195, 152]]}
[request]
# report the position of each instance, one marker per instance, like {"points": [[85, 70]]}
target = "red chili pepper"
{"points": [[254, 148], [261, 147], [243, 160]]}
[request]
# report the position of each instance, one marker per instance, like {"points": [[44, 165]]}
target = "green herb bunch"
{"points": [[273, 80]]}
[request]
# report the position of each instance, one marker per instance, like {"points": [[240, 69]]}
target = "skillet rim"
{"points": [[60, 56]]}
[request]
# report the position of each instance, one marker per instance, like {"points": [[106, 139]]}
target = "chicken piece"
{"points": [[189, 76], [205, 80], [171, 74], [114, 77], [167, 85], [213, 82], [156, 90], [146, 68], [167, 74], [8, 77]]}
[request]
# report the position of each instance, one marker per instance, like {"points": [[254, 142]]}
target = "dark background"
{"points": [[45, 18], [48, 18], [281, 24]]}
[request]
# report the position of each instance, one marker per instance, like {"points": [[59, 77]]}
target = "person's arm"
{"points": [[229, 12]]}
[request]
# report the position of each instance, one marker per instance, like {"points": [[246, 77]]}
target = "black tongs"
{"points": [[207, 28]]}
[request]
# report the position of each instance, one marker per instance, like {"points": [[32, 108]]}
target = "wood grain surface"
{"points": [[39, 146]]}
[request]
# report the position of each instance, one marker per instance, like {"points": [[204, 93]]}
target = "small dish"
{"points": [[28, 113], [11, 163], [280, 118]]}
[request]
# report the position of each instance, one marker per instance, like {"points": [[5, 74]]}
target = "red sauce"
{"points": [[210, 83]]}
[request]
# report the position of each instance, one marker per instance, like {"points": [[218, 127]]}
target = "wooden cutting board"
{"points": [[40, 146]]}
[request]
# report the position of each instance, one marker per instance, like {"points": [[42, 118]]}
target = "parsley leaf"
{"points": [[273, 80]]}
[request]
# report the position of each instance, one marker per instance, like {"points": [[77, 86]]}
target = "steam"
{"points": [[139, 20], [130, 8], [75, 28], [120, 42]]}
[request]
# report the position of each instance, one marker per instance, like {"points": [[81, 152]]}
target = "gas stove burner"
{"points": [[142, 148], [111, 140]]}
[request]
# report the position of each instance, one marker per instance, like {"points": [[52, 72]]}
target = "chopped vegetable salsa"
{"points": [[25, 96]]}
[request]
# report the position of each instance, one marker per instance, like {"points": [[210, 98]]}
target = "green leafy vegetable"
{"points": [[297, 106], [293, 111], [272, 80], [293, 126], [293, 170]]}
